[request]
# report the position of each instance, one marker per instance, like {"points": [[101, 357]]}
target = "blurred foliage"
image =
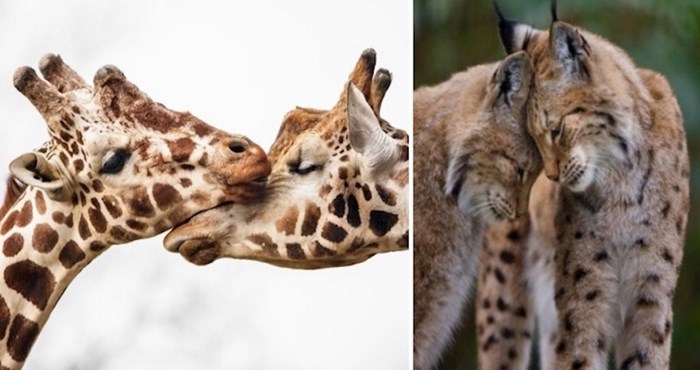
{"points": [[663, 35]]}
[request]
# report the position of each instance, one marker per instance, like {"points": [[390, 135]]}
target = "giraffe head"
{"points": [[126, 166], [337, 193]]}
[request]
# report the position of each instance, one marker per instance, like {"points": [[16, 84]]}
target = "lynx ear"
{"points": [[35, 170], [512, 79], [514, 35], [569, 49]]}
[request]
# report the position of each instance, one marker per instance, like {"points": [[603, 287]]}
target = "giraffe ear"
{"points": [[35, 170], [366, 135]]}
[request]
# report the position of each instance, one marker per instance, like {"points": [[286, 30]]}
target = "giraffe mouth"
{"points": [[181, 238], [199, 251]]}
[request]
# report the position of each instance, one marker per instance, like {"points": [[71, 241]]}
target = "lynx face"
{"points": [[585, 105], [493, 170]]}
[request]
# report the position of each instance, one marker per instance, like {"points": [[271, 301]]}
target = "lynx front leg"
{"points": [[584, 295], [540, 275], [504, 319], [645, 341]]}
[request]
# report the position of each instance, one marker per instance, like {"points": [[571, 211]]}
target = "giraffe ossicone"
{"points": [[117, 167], [337, 194]]}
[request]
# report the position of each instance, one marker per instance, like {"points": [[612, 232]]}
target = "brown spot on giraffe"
{"points": [[333, 232], [5, 316], [381, 222], [23, 333], [40, 203], [181, 149], [186, 183], [321, 251], [58, 217], [69, 220], [44, 238], [366, 192], [83, 228], [98, 186], [387, 196], [337, 206], [343, 173], [25, 215], [312, 214], [136, 225], [9, 222], [79, 165], [295, 252], [112, 205], [98, 220], [71, 254], [64, 159], [35, 283], [287, 224], [97, 246], [403, 242], [122, 235], [166, 196], [13, 245], [140, 204], [353, 216]]}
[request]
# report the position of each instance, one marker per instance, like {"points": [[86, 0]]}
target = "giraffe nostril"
{"points": [[238, 146]]}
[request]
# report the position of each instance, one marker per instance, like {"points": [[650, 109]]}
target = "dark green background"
{"points": [[450, 35]]}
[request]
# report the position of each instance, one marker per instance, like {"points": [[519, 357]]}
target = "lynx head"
{"points": [[585, 103], [494, 167]]}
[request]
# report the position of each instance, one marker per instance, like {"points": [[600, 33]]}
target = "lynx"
{"points": [[609, 219], [474, 165]]}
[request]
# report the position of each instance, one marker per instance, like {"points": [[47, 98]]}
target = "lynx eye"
{"points": [[304, 167], [114, 161]]}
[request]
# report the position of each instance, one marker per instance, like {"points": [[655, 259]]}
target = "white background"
{"points": [[239, 67]]}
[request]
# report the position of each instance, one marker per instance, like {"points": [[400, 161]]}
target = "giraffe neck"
{"points": [[42, 252]]}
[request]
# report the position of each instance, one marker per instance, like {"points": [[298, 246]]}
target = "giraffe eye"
{"points": [[304, 167], [114, 162]]}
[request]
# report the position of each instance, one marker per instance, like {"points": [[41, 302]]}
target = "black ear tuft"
{"points": [[514, 35], [553, 9]]}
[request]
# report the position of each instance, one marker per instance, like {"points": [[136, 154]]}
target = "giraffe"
{"points": [[118, 167], [337, 193]]}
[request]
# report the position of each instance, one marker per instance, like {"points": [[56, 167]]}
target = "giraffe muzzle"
{"points": [[199, 251]]}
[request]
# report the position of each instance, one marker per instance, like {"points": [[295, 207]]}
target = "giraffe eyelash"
{"points": [[304, 167], [114, 162]]}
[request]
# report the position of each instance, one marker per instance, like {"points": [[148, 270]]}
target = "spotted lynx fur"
{"points": [[474, 165], [608, 226]]}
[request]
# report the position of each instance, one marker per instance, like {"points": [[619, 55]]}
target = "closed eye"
{"points": [[554, 133], [114, 162], [304, 167]]}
